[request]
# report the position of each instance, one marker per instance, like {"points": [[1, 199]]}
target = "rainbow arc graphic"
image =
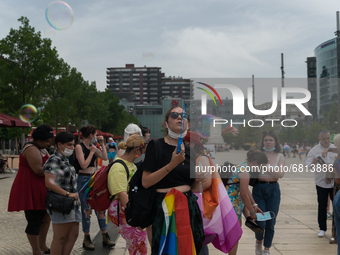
{"points": [[209, 93]]}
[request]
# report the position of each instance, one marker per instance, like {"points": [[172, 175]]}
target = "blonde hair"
{"points": [[134, 141], [336, 141]]}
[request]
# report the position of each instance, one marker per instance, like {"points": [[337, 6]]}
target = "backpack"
{"points": [[139, 209], [74, 161], [98, 196]]}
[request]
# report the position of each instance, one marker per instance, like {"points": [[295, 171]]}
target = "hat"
{"points": [[110, 139], [193, 137]]}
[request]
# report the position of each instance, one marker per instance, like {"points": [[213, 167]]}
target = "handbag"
{"points": [[59, 203]]}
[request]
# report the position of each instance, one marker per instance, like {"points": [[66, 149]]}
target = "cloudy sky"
{"points": [[188, 38]]}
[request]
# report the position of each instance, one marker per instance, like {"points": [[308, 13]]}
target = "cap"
{"points": [[193, 137], [110, 139]]}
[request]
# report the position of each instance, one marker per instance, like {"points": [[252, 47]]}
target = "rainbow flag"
{"points": [[176, 236], [88, 186], [221, 226]]}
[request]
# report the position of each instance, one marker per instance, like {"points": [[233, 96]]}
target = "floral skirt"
{"points": [[136, 238]]}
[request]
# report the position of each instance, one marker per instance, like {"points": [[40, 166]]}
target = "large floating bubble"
{"points": [[148, 55], [28, 113], [59, 15], [203, 125]]}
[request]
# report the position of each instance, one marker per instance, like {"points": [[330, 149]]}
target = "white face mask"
{"points": [[67, 152], [175, 135], [94, 140]]}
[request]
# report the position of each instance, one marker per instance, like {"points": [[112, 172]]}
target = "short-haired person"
{"points": [[173, 176], [112, 149], [86, 154], [145, 132], [324, 187], [118, 187], [60, 178], [28, 191], [266, 192]]}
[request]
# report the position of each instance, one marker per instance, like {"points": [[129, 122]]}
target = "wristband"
{"points": [[255, 205], [253, 213]]}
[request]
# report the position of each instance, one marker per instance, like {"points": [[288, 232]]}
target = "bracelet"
{"points": [[255, 205], [253, 213]]}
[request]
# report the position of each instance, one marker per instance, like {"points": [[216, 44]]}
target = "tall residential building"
{"points": [[326, 74], [146, 85]]}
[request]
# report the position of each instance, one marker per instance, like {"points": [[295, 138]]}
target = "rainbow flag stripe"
{"points": [[176, 236]]}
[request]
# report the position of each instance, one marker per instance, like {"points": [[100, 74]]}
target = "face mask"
{"points": [[270, 149], [266, 216], [67, 152], [94, 140], [175, 135]]}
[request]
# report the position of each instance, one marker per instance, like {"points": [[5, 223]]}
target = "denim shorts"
{"points": [[59, 218]]}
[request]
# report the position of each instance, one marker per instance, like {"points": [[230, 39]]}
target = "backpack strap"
{"points": [[124, 165], [127, 175], [158, 154]]}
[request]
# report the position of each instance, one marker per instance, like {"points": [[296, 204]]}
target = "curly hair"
{"points": [[43, 132]]}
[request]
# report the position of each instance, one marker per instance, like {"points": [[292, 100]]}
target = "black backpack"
{"points": [[73, 159], [139, 210]]}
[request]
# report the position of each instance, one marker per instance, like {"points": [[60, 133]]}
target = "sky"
{"points": [[187, 38]]}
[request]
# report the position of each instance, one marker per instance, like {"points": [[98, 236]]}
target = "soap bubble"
{"points": [[148, 55], [59, 15], [28, 113], [203, 125]]}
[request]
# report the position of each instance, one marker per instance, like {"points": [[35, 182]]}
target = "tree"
{"points": [[26, 60], [330, 120]]}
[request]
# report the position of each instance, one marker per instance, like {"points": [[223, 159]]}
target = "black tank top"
{"points": [[87, 153]]}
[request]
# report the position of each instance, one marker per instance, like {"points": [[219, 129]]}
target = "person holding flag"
{"points": [[173, 191]]}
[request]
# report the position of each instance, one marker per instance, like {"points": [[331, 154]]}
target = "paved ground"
{"points": [[296, 226]]}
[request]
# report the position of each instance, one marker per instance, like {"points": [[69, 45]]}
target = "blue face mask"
{"points": [[263, 217], [270, 149]]}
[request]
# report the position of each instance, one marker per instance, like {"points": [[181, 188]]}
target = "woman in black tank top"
{"points": [[86, 154]]}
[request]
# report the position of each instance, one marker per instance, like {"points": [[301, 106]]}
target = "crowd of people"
{"points": [[178, 187]]}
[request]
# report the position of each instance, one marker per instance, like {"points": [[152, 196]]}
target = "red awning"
{"points": [[10, 121], [54, 131]]}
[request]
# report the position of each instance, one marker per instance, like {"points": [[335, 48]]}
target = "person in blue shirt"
{"points": [[112, 149]]}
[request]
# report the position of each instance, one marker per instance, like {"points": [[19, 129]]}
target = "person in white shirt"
{"points": [[324, 186]]}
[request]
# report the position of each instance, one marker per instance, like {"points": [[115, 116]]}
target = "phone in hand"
{"points": [[321, 161]]}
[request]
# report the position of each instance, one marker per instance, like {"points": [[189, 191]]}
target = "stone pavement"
{"points": [[296, 226]]}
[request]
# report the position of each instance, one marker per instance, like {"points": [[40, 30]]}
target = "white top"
{"points": [[320, 177]]}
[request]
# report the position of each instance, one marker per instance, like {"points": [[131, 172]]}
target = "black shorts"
{"points": [[34, 219]]}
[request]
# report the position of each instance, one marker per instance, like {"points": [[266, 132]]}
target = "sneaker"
{"points": [[258, 248], [332, 240], [329, 216], [321, 233], [266, 252]]}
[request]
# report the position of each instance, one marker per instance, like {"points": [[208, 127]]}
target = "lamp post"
{"points": [[337, 33]]}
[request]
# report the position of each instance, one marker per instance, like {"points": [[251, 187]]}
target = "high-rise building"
{"points": [[326, 74], [146, 85]]}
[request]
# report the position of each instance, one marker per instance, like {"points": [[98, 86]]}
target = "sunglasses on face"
{"points": [[175, 115]]}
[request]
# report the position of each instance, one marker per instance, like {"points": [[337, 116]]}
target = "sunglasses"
{"points": [[175, 115]]}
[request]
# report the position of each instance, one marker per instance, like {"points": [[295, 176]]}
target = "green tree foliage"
{"points": [[26, 60], [330, 120], [31, 72]]}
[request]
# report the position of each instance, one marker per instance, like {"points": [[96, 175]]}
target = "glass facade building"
{"points": [[326, 74]]}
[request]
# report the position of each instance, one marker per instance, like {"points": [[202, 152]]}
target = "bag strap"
{"points": [[158, 148], [124, 165]]}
